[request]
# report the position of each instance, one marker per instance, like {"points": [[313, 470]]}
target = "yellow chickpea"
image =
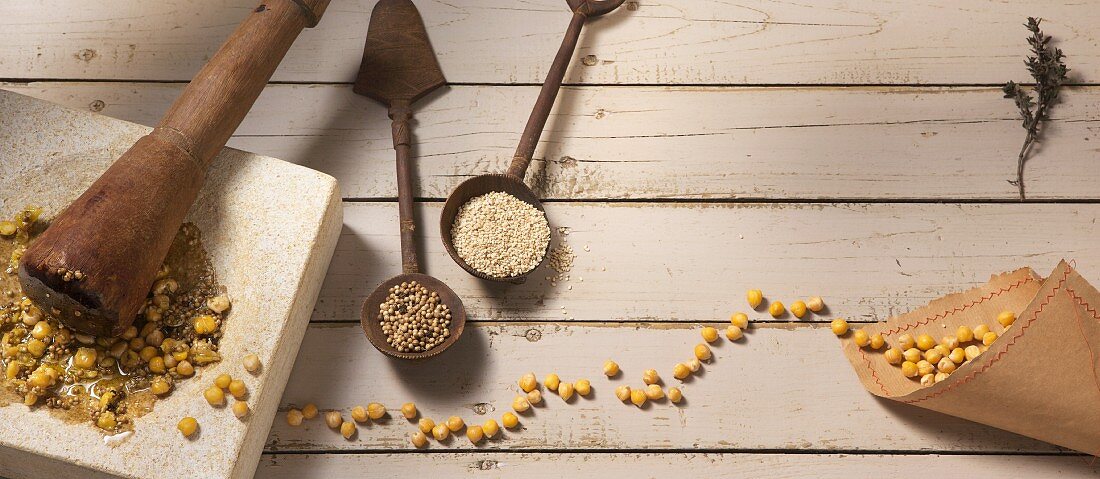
{"points": [[877, 341], [893, 356], [754, 297], [675, 395], [565, 390], [964, 334], [440, 432], [776, 309], [521, 404], [741, 320], [734, 333], [309, 411], [1006, 318], [215, 396], [623, 393], [455, 423], [933, 356], [408, 410], [509, 420], [681, 371], [160, 386], [188, 426], [702, 352], [649, 376], [815, 304], [988, 338], [475, 434], [610, 369], [583, 387], [294, 417], [638, 396], [333, 419], [925, 367], [238, 389], [240, 409], [909, 369], [359, 414], [925, 342], [949, 343], [958, 355], [490, 428], [972, 352], [912, 355], [946, 365], [798, 309], [979, 331], [654, 392], [222, 381], [709, 334], [85, 358], [375, 411], [861, 338], [906, 341], [839, 327], [534, 397], [425, 424], [419, 439], [551, 382], [528, 382]]}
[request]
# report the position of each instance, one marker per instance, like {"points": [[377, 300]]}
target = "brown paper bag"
{"points": [[1039, 378]]}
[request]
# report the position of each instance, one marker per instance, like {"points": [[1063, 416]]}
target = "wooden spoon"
{"points": [[511, 182], [118, 232], [399, 67]]}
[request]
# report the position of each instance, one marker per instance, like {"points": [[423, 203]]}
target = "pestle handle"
{"points": [[118, 232]]}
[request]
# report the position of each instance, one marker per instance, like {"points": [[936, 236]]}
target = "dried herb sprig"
{"points": [[1049, 71]]}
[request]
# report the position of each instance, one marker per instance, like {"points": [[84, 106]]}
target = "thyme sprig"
{"points": [[1049, 71]]}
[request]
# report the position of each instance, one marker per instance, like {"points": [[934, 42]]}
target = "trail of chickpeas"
{"points": [[531, 395]]}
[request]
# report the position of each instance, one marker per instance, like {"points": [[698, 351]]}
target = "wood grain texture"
{"points": [[484, 465], [666, 142], [781, 388], [673, 262], [648, 42]]}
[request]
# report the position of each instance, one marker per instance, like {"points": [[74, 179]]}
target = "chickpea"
{"points": [[755, 297], [534, 397], [925, 342], [440, 432], [205, 325], [188, 426], [107, 421], [156, 365], [946, 365], [359, 414], [475, 434], [702, 352], [877, 341], [649, 376], [552, 381], [509, 420], [565, 390], [861, 338], [610, 369], [906, 341], [965, 334], [925, 367], [347, 429], [223, 380], [375, 411], [252, 363], [218, 304], [694, 364], [839, 327], [408, 410], [160, 385], [41, 330], [958, 355], [425, 424], [681, 370], [638, 396], [238, 389], [455, 423], [215, 396], [815, 304], [928, 380], [309, 411], [972, 352], [776, 309], [909, 369], [798, 309], [912, 355], [240, 409], [950, 343], [709, 334], [733, 333], [893, 356], [741, 320], [185, 369], [654, 392], [583, 387], [333, 419], [933, 356], [36, 347], [294, 417], [527, 382], [675, 395], [419, 439], [1006, 318], [623, 393], [521, 404], [979, 331], [85, 358], [490, 428], [988, 338]]}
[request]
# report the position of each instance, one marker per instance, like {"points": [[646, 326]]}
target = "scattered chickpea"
{"points": [[528, 382], [205, 325], [85, 358], [408, 410], [294, 417], [187, 426], [755, 297], [509, 420], [583, 387], [988, 338], [741, 320], [675, 395], [41, 330], [654, 392], [215, 396], [638, 397], [309, 411], [252, 363], [861, 338], [610, 368], [925, 342], [709, 334], [649, 376], [375, 411], [893, 356], [455, 423], [359, 414], [815, 303], [906, 341], [942, 376], [534, 397], [185, 369], [946, 365], [733, 333], [776, 309], [909, 369], [933, 356], [702, 352], [694, 364], [958, 355], [552, 381], [972, 352], [333, 419], [521, 404], [425, 424], [925, 367], [240, 409], [798, 309], [877, 341], [964, 334], [912, 355], [475, 434], [928, 380], [979, 331], [1006, 318], [440, 432], [839, 327], [623, 393], [681, 371], [490, 428], [222, 381], [160, 386], [419, 439], [238, 389], [565, 390], [218, 304]]}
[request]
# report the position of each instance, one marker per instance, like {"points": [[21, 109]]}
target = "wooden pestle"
{"points": [[118, 232]]}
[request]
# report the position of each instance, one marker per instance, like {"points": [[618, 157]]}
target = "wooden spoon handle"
{"points": [[541, 112], [118, 232], [400, 113]]}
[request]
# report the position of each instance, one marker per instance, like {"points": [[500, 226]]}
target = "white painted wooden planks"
{"points": [[692, 262], [783, 387], [666, 142], [486, 465], [485, 41]]}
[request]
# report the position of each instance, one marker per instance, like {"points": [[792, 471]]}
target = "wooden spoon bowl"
{"points": [[478, 186], [373, 327]]}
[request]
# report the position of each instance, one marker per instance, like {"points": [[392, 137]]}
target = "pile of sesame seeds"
{"points": [[500, 235], [413, 318]]}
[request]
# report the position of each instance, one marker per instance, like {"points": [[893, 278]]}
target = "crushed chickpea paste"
{"points": [[108, 381]]}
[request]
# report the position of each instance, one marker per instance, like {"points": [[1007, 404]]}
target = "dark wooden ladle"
{"points": [[118, 232], [511, 182], [399, 67]]}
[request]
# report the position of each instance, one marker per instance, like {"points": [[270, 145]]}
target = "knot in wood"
{"points": [[533, 335]]}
